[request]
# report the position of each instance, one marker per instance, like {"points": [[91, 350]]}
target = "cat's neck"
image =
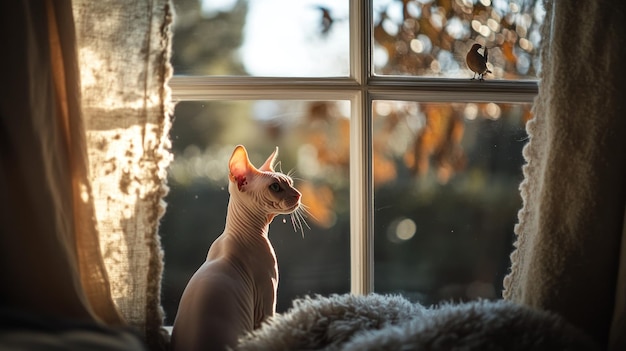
{"points": [[242, 221]]}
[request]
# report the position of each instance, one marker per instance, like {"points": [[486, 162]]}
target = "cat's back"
{"points": [[215, 309], [227, 296]]}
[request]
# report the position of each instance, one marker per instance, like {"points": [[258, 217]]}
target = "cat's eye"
{"points": [[275, 187]]}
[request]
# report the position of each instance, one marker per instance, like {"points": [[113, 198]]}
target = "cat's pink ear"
{"points": [[268, 166], [240, 167]]}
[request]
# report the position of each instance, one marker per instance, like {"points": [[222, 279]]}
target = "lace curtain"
{"points": [[570, 235]]}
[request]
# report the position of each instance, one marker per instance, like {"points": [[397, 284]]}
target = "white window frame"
{"points": [[361, 88]]}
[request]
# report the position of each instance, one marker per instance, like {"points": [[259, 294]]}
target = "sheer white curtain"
{"points": [[570, 250]]}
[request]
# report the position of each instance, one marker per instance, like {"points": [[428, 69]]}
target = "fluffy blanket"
{"points": [[378, 322]]}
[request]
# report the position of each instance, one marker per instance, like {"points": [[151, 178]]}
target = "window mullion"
{"points": [[453, 90], [361, 183], [200, 88]]}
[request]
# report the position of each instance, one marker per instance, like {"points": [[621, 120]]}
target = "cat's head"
{"points": [[263, 189]]}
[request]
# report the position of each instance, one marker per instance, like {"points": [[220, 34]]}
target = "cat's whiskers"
{"points": [[298, 219], [304, 208], [296, 222]]}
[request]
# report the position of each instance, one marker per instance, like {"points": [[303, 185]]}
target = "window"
{"points": [[410, 169]]}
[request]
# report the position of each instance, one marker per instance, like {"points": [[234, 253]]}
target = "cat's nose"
{"points": [[296, 197]]}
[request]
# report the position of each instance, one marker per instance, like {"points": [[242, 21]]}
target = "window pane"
{"points": [[432, 37], [313, 138], [283, 38], [446, 197]]}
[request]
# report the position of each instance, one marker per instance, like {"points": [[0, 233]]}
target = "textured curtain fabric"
{"points": [[123, 50], [82, 172], [570, 254]]}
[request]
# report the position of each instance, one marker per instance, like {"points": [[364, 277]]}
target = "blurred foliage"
{"points": [[452, 169], [207, 44], [435, 138], [431, 38]]}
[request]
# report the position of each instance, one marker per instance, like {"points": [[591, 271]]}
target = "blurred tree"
{"points": [[431, 37], [207, 45]]}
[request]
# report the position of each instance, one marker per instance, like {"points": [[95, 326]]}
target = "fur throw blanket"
{"points": [[377, 322]]}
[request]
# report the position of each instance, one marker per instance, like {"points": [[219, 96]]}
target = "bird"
{"points": [[327, 19], [477, 62]]}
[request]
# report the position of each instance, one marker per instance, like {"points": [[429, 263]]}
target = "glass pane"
{"points": [[431, 38], [313, 141], [283, 38], [446, 197]]}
